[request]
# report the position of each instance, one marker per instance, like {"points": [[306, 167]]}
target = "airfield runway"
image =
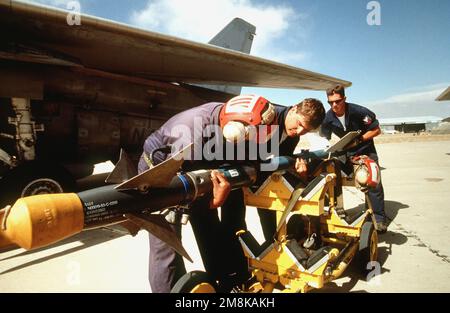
{"points": [[414, 254]]}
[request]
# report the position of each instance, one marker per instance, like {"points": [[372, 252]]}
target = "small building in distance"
{"points": [[409, 124]]}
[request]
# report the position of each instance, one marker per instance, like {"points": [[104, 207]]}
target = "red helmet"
{"points": [[240, 113], [367, 174]]}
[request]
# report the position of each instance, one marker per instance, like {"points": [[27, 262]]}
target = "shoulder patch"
{"points": [[367, 120]]}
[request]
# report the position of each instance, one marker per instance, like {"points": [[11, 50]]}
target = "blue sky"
{"points": [[397, 68]]}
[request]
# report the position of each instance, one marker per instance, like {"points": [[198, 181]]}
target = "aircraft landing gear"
{"points": [[34, 178]]}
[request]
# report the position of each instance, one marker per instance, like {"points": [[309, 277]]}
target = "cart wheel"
{"points": [[195, 282], [368, 246]]}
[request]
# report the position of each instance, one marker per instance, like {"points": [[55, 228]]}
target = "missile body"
{"points": [[40, 220]]}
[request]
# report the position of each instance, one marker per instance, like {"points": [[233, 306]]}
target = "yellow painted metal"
{"points": [[335, 225], [255, 288], [40, 220], [277, 266], [334, 240], [374, 246], [344, 263], [203, 288], [268, 287], [275, 196]]}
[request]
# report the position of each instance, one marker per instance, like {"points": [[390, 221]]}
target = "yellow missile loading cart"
{"points": [[316, 239]]}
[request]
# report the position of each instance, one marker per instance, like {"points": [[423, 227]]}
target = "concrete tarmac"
{"points": [[414, 254]]}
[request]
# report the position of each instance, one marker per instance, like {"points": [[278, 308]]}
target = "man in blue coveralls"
{"points": [[219, 247], [344, 117]]}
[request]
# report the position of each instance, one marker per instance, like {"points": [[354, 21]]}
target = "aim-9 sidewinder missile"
{"points": [[41, 220]]}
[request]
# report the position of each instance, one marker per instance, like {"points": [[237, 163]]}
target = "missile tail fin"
{"points": [[158, 226], [131, 227]]}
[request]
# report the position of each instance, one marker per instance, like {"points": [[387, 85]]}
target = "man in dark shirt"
{"points": [[219, 247], [344, 117]]}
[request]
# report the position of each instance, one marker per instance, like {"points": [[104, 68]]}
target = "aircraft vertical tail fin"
{"points": [[237, 35]]}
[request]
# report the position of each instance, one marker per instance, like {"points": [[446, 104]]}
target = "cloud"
{"points": [[417, 102], [200, 20]]}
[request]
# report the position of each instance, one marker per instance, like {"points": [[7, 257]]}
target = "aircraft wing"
{"points": [[445, 95], [40, 34]]}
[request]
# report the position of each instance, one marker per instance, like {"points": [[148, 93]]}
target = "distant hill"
{"points": [[446, 119]]}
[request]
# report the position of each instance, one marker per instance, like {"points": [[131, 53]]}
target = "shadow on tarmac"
{"points": [[391, 208], [88, 239], [390, 238], [346, 287]]}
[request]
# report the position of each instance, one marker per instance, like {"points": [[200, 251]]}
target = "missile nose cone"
{"points": [[36, 221]]}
